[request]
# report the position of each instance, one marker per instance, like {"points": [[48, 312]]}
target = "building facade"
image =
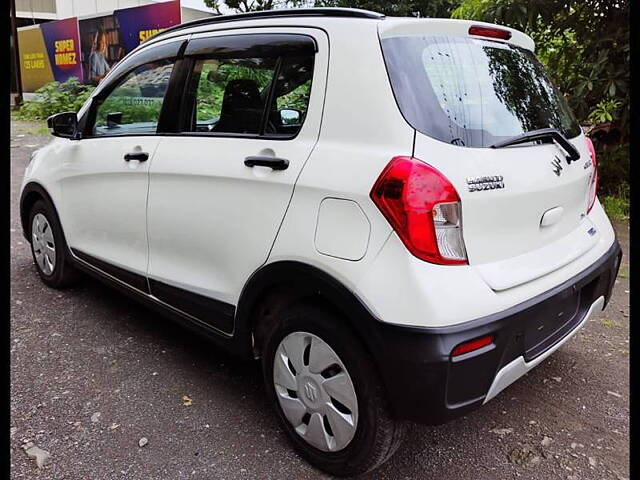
{"points": [[78, 26], [38, 11]]}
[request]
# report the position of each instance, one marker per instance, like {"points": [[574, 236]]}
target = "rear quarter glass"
{"points": [[473, 92]]}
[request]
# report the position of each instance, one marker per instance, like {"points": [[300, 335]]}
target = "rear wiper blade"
{"points": [[542, 134]]}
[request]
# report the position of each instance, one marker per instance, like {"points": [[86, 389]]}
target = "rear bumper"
{"points": [[424, 384]]}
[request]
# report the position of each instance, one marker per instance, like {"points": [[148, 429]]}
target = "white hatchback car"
{"points": [[398, 216]]}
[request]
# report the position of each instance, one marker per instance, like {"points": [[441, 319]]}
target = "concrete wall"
{"points": [[77, 8], [189, 14], [44, 6]]}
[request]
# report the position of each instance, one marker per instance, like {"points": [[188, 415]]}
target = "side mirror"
{"points": [[64, 125], [114, 119], [289, 116]]}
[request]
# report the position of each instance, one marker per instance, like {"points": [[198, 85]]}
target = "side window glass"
{"points": [[292, 91], [230, 94], [133, 107], [233, 95]]}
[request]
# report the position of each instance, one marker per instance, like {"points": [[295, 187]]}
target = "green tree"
{"points": [[402, 8], [243, 6]]}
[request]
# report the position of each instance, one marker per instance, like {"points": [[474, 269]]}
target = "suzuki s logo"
{"points": [[557, 166], [311, 392]]}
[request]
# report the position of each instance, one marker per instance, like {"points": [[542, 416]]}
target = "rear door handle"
{"points": [[140, 156], [274, 163]]}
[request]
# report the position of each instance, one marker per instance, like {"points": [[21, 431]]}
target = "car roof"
{"points": [[327, 12], [387, 26]]}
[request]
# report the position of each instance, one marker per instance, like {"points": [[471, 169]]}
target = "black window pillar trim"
{"points": [[270, 98], [187, 100], [170, 114]]}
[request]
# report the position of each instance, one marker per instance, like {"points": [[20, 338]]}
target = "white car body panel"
{"points": [[352, 151], [342, 229], [104, 199], [239, 209]]}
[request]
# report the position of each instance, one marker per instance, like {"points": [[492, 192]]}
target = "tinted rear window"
{"points": [[472, 92]]}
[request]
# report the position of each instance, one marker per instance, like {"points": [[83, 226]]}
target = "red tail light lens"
{"points": [[490, 32], [423, 208], [472, 345], [593, 180]]}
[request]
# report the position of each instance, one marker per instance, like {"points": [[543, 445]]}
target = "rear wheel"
{"points": [[49, 248], [326, 393]]}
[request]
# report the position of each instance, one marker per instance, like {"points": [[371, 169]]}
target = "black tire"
{"points": [[64, 274], [377, 435]]}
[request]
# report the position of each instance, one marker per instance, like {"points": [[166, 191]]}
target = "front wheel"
{"points": [[327, 395], [49, 248]]}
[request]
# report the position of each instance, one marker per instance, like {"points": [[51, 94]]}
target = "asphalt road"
{"points": [[92, 373]]}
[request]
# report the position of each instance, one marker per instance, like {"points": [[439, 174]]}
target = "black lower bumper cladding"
{"points": [[424, 384]]}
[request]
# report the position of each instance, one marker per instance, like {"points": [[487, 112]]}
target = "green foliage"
{"points": [[297, 99], [402, 8], [132, 112], [242, 6], [605, 111], [213, 80], [617, 207], [57, 97], [613, 168]]}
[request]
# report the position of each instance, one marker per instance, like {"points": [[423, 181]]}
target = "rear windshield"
{"points": [[472, 92]]}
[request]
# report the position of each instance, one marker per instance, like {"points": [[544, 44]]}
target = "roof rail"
{"points": [[285, 12]]}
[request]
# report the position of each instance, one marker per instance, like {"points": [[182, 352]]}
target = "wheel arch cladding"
{"points": [[279, 285], [31, 193]]}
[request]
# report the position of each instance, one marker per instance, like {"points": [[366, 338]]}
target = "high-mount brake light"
{"points": [[423, 208], [593, 179], [472, 345], [489, 32]]}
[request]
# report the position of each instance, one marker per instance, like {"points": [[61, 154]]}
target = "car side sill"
{"points": [[116, 276], [138, 282]]}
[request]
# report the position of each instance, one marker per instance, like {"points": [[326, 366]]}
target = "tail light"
{"points": [[423, 208], [489, 32], [593, 179]]}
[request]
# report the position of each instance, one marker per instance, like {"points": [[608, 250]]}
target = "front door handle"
{"points": [[274, 163], [140, 156]]}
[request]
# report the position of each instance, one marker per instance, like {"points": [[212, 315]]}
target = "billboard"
{"points": [[106, 39], [48, 52], [88, 48]]}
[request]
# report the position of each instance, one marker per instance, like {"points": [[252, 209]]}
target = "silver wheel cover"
{"points": [[315, 391], [42, 243]]}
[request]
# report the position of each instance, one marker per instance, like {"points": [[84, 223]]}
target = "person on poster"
{"points": [[98, 65]]}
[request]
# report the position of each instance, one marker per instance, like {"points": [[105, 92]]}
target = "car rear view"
{"points": [[497, 203]]}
